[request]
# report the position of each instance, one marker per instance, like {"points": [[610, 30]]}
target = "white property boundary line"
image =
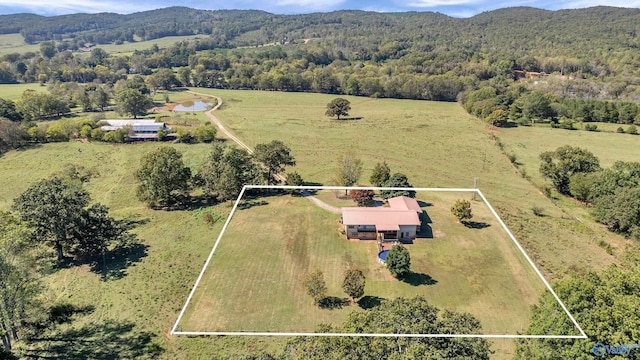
{"points": [[489, 336]]}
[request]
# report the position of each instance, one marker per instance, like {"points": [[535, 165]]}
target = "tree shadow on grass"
{"points": [[333, 302], [475, 224], [109, 339], [417, 279], [308, 191], [369, 302], [249, 203], [119, 260]]}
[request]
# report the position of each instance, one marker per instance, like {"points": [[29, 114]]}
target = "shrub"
{"points": [[117, 136], [537, 211], [97, 134], [205, 133], [36, 134], [294, 179], [633, 130], [183, 135], [362, 197], [55, 133], [620, 130], [462, 210], [591, 127], [85, 132]]}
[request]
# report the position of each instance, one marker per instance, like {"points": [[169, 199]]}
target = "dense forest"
{"points": [[584, 54]]}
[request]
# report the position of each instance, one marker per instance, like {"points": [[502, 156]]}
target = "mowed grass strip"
{"points": [[254, 282]]}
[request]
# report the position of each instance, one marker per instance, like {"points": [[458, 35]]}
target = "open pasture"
{"points": [[435, 144], [254, 281]]}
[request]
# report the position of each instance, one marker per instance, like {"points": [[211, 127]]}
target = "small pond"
{"points": [[196, 105]]}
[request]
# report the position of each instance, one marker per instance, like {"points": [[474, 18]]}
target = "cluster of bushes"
{"points": [[201, 134]]}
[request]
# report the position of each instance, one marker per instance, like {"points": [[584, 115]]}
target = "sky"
{"points": [[455, 8]]}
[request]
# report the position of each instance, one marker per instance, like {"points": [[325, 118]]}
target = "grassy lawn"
{"points": [[254, 280]]}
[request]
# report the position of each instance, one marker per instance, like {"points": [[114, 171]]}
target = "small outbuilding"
{"points": [[140, 129]]}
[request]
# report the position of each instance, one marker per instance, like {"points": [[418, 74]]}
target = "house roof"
{"points": [[404, 203], [136, 124], [382, 218], [130, 122]]}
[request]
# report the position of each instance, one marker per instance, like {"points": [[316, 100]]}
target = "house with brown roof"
{"points": [[400, 221]]}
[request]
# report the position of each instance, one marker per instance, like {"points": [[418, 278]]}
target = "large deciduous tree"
{"points": [[226, 171], [132, 101], [398, 180], [162, 176], [559, 165], [19, 286], [620, 212], [349, 170], [398, 261], [353, 283], [56, 210], [274, 156], [53, 207], [12, 135], [8, 110], [338, 107], [163, 78]]}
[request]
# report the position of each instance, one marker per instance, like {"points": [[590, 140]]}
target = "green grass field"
{"points": [[127, 47], [254, 282], [435, 144], [14, 91], [14, 43]]}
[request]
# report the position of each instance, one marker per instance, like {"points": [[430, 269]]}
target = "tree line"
{"points": [[503, 102], [411, 55], [612, 193]]}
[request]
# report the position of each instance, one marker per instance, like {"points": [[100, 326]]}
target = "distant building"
{"points": [[399, 221], [140, 129]]}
